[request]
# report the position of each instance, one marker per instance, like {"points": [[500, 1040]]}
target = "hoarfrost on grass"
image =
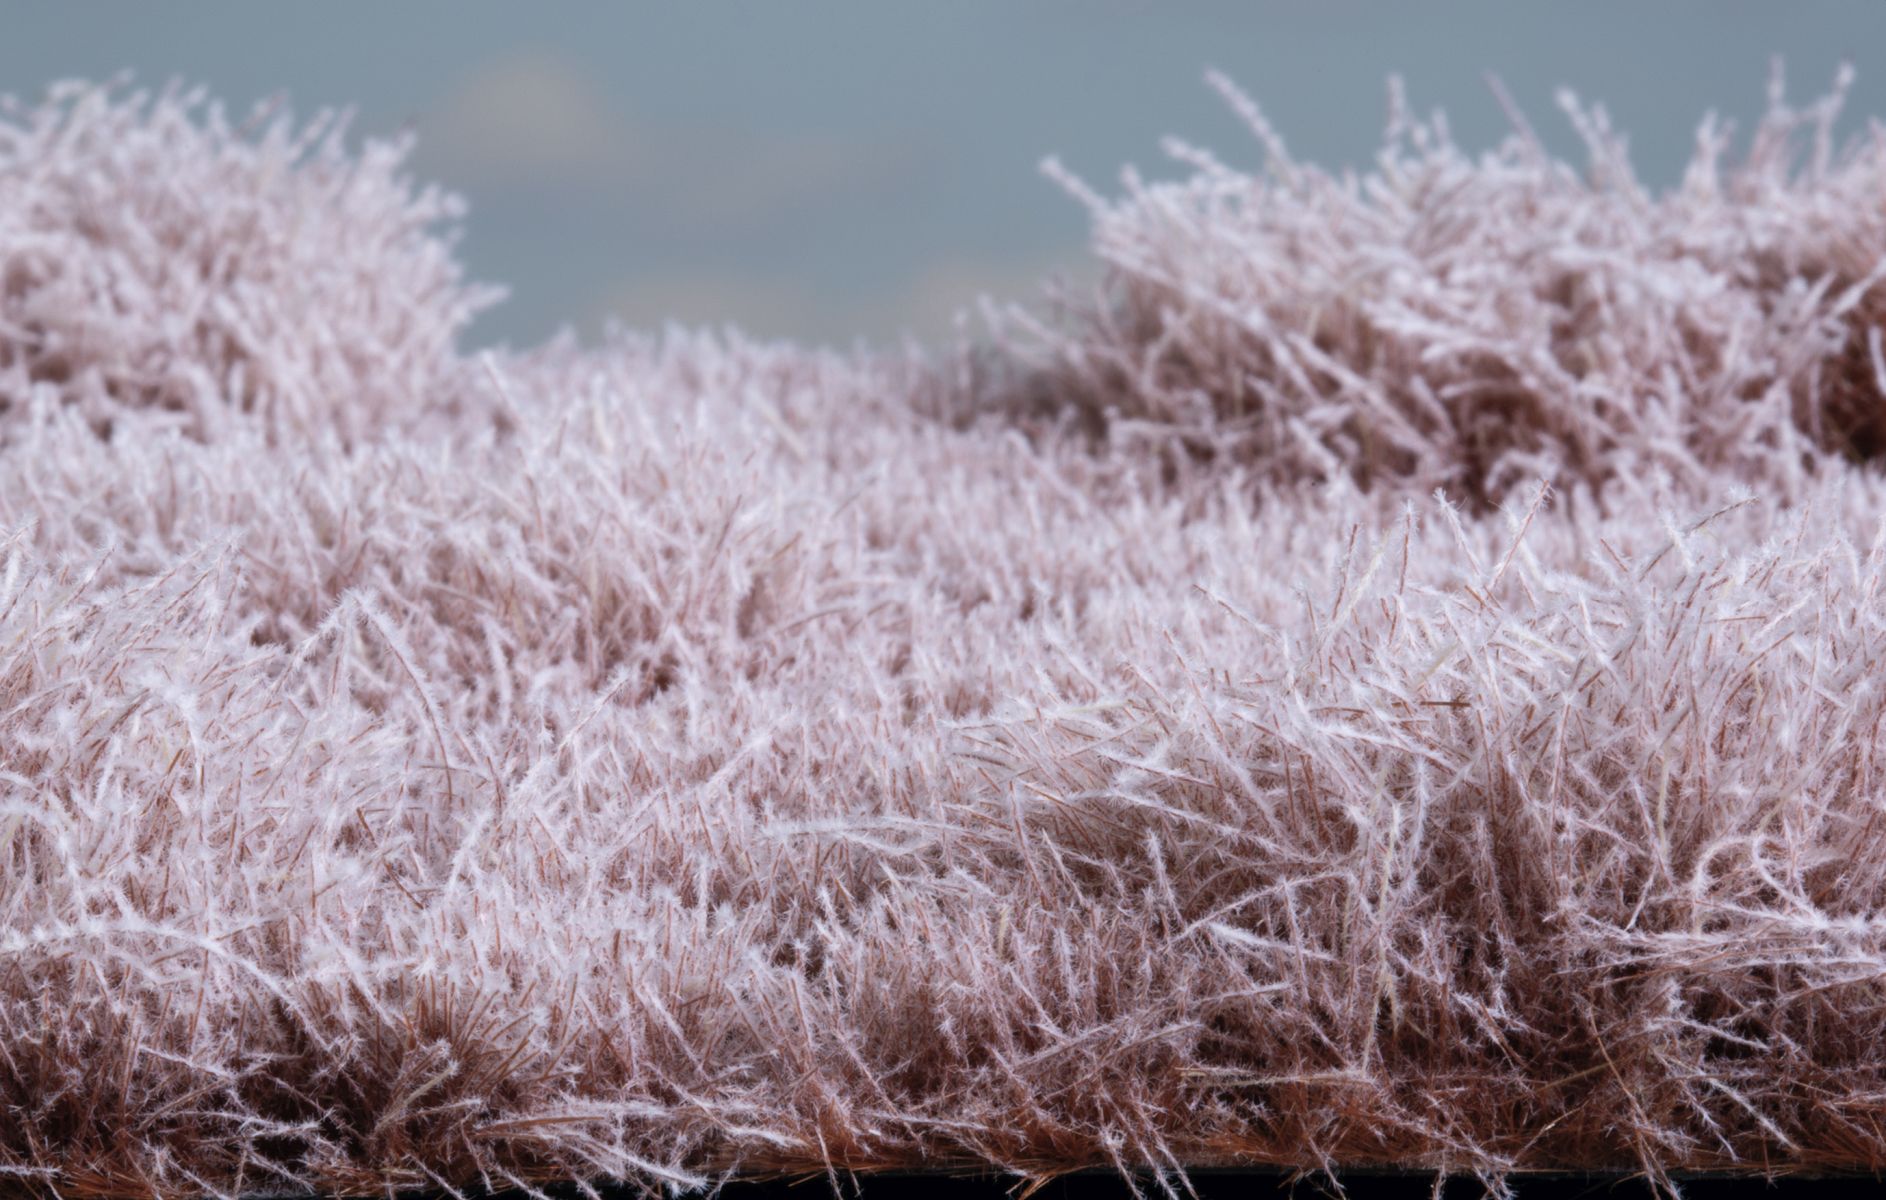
{"points": [[1099, 746]]}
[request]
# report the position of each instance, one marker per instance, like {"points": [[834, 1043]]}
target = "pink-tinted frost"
{"points": [[1103, 746]]}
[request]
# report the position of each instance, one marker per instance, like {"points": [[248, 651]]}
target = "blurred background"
{"points": [[834, 171]]}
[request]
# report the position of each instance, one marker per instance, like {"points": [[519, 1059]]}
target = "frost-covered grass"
{"points": [[1100, 746]]}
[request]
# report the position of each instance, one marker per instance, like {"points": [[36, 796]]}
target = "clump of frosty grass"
{"points": [[1393, 680]]}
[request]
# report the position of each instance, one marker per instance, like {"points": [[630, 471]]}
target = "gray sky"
{"points": [[827, 170]]}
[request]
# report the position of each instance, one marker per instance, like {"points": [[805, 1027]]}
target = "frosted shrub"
{"points": [[158, 257], [1474, 325]]}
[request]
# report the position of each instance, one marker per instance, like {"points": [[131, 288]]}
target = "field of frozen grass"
{"points": [[1391, 679]]}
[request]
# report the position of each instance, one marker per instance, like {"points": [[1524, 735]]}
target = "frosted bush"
{"points": [[1477, 324], [159, 257]]}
